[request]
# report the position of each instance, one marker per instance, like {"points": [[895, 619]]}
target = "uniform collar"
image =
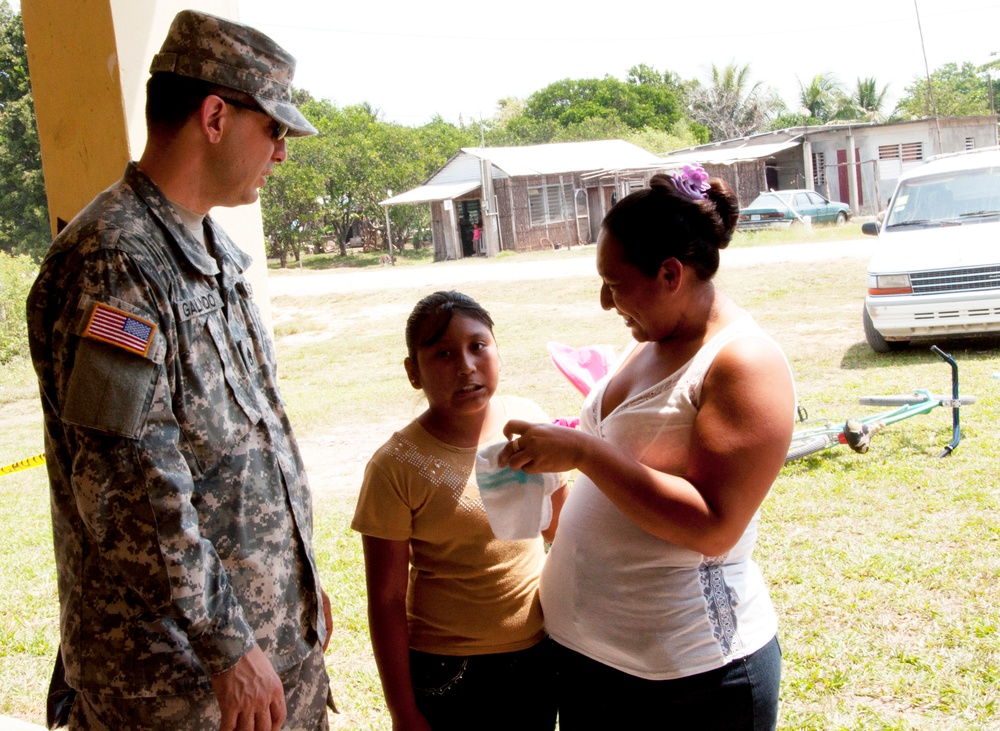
{"points": [[193, 251]]}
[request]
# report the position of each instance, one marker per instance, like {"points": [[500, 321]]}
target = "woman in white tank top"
{"points": [[650, 590]]}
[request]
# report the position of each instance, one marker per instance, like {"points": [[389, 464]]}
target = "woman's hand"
{"points": [[541, 447]]}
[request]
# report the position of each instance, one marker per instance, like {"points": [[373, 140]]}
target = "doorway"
{"points": [[771, 177], [469, 216]]}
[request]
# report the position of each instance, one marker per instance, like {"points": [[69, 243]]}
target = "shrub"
{"points": [[16, 275]]}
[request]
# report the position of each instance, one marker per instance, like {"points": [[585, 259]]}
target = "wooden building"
{"points": [[524, 198]]}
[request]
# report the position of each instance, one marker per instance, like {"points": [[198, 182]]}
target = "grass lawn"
{"points": [[883, 567]]}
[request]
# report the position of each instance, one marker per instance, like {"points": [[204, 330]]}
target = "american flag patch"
{"points": [[111, 325]]}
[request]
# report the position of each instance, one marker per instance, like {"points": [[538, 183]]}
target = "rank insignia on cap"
{"points": [[111, 325]]}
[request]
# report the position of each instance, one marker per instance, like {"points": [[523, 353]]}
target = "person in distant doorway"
{"points": [[477, 238], [189, 594]]}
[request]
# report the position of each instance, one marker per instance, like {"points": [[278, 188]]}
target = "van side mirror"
{"points": [[870, 228]]}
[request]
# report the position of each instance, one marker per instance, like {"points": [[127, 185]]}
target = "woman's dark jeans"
{"points": [[741, 696]]}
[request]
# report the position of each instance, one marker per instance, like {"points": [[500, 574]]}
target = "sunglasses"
{"points": [[279, 130]]}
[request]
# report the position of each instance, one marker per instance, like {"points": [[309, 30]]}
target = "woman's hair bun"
{"points": [[727, 207]]}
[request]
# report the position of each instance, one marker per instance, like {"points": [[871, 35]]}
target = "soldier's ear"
{"points": [[213, 117]]}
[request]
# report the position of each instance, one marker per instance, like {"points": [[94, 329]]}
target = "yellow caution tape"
{"points": [[23, 464]]}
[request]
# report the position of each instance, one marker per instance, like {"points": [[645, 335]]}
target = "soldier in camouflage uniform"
{"points": [[182, 519]]}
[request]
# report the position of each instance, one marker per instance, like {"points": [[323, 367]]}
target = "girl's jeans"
{"points": [[510, 690]]}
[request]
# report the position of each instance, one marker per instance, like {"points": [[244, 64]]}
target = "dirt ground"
{"points": [[336, 458]]}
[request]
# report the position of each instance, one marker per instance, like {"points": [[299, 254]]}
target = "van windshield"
{"points": [[956, 197]]}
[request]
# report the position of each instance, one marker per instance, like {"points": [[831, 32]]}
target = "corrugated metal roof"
{"points": [[564, 157], [730, 155], [428, 193]]}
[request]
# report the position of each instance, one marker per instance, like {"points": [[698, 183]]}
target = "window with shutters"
{"points": [[819, 169], [895, 159], [911, 151], [550, 203]]}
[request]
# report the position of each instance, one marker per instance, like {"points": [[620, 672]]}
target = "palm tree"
{"points": [[823, 97], [865, 103], [869, 98], [731, 106]]}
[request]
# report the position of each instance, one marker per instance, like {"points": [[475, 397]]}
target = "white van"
{"points": [[935, 272]]}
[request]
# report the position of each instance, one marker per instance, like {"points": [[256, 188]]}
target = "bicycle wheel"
{"points": [[910, 399], [805, 447]]}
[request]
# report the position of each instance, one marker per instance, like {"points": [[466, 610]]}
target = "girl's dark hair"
{"points": [[659, 222], [432, 315]]}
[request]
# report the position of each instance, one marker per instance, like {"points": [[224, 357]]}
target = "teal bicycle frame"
{"points": [[857, 432]]}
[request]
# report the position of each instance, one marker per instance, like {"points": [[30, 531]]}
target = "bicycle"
{"points": [[857, 433]]}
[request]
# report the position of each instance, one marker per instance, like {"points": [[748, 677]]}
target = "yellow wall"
{"points": [[78, 100], [89, 62]]}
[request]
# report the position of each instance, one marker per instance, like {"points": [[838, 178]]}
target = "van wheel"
{"points": [[875, 340]]}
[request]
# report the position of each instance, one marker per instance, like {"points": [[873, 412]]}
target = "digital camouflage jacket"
{"points": [[181, 514]]}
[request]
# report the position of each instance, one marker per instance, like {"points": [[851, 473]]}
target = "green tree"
{"points": [[959, 91], [869, 100], [24, 216], [337, 178], [645, 101], [342, 175], [791, 119], [16, 275], [290, 201], [823, 97], [684, 133], [730, 106], [588, 109]]}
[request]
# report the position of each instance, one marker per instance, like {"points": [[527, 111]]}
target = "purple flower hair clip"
{"points": [[692, 181]]}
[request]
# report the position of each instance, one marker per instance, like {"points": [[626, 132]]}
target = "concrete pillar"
{"points": [[807, 165], [89, 62], [852, 175]]}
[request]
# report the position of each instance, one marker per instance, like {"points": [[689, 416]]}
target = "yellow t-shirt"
{"points": [[469, 593]]}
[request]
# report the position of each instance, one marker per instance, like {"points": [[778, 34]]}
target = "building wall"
{"points": [[437, 230], [747, 178], [516, 231], [506, 207], [878, 172]]}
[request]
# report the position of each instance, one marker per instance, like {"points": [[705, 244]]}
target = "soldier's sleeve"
{"points": [[114, 380]]}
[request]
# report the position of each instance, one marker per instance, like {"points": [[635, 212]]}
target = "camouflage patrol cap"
{"points": [[220, 51]]}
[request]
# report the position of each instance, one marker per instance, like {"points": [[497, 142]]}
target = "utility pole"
{"points": [[930, 89]]}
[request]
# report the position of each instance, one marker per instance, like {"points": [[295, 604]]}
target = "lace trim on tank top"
{"points": [[721, 603]]}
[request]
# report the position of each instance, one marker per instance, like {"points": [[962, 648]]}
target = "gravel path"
{"points": [[305, 283]]}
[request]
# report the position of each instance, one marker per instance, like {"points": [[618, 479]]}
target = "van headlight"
{"points": [[889, 284]]}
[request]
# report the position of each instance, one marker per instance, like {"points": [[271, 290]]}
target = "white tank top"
{"points": [[625, 598]]}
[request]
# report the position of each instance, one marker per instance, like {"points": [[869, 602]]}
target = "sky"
{"points": [[415, 60]]}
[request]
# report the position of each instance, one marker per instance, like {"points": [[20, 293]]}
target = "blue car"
{"points": [[783, 208]]}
